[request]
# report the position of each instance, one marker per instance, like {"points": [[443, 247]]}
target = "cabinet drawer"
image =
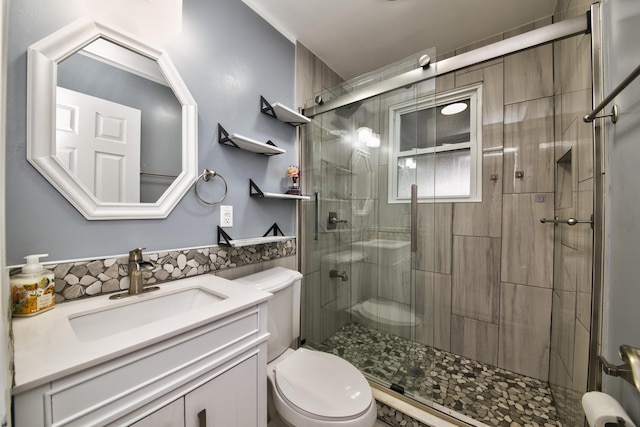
{"points": [[102, 394]]}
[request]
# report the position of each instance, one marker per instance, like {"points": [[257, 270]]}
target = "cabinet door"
{"points": [[229, 400], [171, 415]]}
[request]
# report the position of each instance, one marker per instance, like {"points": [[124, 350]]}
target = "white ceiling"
{"points": [[357, 36]]}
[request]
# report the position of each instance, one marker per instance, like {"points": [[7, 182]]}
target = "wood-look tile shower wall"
{"points": [[573, 247], [501, 275]]}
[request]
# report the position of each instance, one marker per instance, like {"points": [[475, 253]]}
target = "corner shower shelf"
{"points": [[255, 191], [282, 113], [248, 144], [225, 240]]}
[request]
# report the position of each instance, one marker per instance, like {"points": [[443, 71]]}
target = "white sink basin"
{"points": [[136, 311]]}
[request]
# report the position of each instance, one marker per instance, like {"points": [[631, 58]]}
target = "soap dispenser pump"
{"points": [[33, 289]]}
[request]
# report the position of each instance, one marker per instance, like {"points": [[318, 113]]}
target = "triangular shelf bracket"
{"points": [[275, 229], [266, 108], [223, 238], [254, 190], [223, 137]]}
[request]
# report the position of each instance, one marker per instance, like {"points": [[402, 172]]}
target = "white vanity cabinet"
{"points": [[216, 369], [230, 399]]}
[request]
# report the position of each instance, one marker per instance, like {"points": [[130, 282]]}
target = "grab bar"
{"points": [[592, 115], [569, 221], [628, 371]]}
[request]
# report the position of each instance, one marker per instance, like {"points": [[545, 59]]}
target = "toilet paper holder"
{"points": [[628, 371]]}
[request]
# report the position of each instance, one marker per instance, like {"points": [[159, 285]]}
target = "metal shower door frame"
{"points": [[533, 38]]}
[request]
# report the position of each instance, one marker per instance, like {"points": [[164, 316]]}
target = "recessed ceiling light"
{"points": [[455, 108]]}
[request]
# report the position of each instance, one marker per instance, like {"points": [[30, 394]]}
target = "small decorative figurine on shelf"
{"points": [[294, 173]]}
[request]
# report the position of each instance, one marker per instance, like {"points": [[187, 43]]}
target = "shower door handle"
{"points": [[316, 231], [414, 218]]}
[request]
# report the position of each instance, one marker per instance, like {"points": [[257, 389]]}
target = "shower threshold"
{"points": [[437, 378]]}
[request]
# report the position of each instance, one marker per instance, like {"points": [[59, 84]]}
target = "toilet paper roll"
{"points": [[600, 408]]}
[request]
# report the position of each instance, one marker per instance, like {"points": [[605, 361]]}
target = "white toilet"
{"points": [[306, 388]]}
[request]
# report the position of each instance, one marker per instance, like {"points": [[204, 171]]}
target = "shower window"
{"points": [[446, 164]]}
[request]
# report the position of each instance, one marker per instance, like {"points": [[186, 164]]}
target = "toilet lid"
{"points": [[323, 384]]}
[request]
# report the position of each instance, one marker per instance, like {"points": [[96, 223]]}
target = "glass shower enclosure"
{"points": [[371, 167], [426, 263]]}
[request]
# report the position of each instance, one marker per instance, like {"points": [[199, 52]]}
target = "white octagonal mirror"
{"points": [[111, 124]]}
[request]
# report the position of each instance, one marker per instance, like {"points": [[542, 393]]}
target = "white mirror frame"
{"points": [[43, 58]]}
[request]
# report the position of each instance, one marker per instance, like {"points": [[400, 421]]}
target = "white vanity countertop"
{"points": [[47, 348]]}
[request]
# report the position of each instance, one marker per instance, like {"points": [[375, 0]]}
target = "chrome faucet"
{"points": [[335, 273], [136, 265]]}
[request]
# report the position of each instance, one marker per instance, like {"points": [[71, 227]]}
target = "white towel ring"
{"points": [[206, 176]]}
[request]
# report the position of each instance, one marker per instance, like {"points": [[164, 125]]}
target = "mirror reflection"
{"points": [[118, 123]]}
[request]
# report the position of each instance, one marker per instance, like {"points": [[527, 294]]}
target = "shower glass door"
{"points": [[365, 300]]}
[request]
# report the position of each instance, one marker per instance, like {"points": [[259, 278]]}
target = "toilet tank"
{"points": [[283, 308]]}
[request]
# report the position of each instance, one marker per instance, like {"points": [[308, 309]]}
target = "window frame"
{"points": [[474, 94]]}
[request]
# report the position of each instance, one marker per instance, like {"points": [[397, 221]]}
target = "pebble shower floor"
{"points": [[483, 392]]}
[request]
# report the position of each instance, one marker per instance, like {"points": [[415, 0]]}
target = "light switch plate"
{"points": [[226, 216]]}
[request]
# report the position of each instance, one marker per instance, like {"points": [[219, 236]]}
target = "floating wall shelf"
{"points": [[248, 144], [282, 113], [255, 191], [225, 240]]}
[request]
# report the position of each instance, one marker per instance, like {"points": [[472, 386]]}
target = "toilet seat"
{"points": [[313, 388]]}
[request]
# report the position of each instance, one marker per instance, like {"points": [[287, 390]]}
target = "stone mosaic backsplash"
{"points": [[89, 278]]}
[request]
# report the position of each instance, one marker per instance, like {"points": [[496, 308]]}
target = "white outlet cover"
{"points": [[226, 216]]}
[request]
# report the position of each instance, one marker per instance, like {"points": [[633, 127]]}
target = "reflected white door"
{"points": [[99, 141]]}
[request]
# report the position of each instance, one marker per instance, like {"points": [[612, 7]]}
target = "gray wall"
{"points": [[228, 56], [622, 295]]}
